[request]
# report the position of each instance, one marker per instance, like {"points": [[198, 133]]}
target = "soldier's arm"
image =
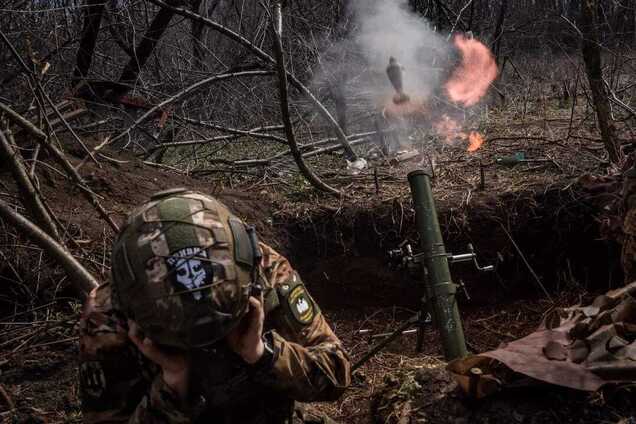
{"points": [[117, 384], [310, 363]]}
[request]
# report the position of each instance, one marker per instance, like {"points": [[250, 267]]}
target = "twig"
{"points": [[618, 101], [6, 397], [534, 274], [44, 94], [83, 280], [459, 17]]}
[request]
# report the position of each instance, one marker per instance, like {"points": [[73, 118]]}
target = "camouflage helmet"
{"points": [[183, 268]]}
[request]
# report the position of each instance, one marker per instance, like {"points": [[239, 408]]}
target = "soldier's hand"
{"points": [[246, 338], [175, 367]]}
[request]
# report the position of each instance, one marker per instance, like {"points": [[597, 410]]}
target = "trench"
{"points": [[343, 259]]}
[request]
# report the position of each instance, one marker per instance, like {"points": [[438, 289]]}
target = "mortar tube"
{"points": [[440, 290]]}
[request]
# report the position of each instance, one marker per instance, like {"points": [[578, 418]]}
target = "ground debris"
{"points": [[420, 393]]}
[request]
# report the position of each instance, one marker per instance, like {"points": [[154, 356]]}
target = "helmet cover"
{"points": [[182, 269]]}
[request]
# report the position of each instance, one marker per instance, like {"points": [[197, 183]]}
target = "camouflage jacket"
{"points": [[118, 384]]}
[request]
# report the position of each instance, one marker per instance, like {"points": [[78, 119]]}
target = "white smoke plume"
{"points": [[381, 29], [388, 28]]}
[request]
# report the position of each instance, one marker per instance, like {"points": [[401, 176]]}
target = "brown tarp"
{"points": [[581, 347]]}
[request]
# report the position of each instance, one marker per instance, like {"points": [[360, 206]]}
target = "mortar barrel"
{"points": [[440, 290]]}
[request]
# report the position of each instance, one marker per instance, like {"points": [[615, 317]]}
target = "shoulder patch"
{"points": [[301, 305]]}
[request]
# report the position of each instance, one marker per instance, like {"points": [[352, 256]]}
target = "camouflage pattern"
{"points": [[628, 254], [179, 271], [118, 384]]}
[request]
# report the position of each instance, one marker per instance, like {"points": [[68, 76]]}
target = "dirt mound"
{"points": [[125, 182], [120, 184]]}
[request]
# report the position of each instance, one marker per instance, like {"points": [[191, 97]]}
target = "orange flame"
{"points": [[451, 131], [475, 141], [470, 81]]}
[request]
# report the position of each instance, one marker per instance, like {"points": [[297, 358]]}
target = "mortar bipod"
{"points": [[404, 257]]}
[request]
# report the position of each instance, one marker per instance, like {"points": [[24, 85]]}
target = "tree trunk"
{"points": [[499, 29], [593, 66], [277, 29], [92, 20], [147, 44]]}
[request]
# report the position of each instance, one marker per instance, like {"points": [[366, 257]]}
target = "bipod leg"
{"points": [[421, 322], [379, 346]]}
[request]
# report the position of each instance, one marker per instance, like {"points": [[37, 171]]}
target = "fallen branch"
{"points": [[354, 140], [254, 132], [330, 149], [83, 280], [61, 158], [235, 134], [277, 30], [29, 194], [183, 93]]}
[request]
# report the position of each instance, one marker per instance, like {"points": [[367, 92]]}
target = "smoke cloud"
{"points": [[437, 71], [388, 28], [381, 29]]}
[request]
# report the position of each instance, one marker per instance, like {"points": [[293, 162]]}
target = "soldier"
{"points": [[202, 323]]}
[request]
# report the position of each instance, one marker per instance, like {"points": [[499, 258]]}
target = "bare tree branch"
{"points": [[44, 93], [277, 29], [260, 53], [82, 279], [29, 194], [61, 158], [186, 91]]}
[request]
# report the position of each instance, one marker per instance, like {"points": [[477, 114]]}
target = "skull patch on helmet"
{"points": [[190, 269]]}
